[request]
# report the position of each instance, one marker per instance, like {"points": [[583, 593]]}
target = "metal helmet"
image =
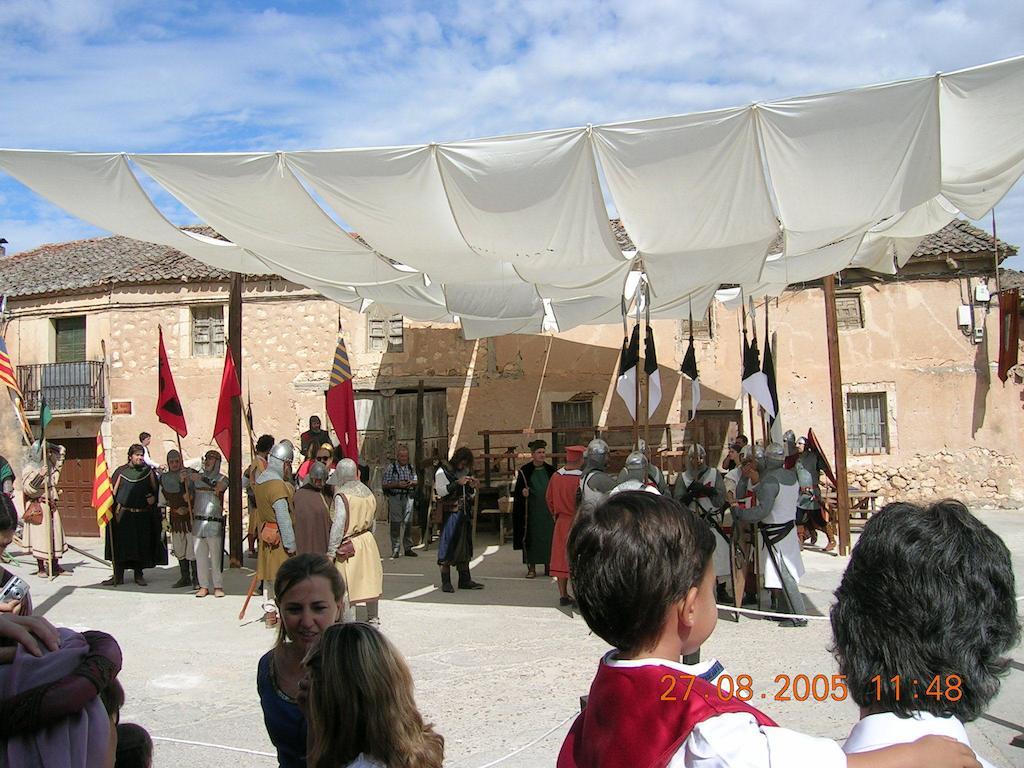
{"points": [[318, 472], [789, 442], [596, 455], [282, 454], [636, 466], [347, 471], [283, 451], [697, 456], [774, 456]]}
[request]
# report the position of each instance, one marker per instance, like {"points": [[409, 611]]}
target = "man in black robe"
{"points": [[133, 536], [532, 521]]}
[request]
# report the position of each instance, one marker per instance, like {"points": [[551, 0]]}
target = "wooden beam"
{"points": [[838, 414], [235, 459]]}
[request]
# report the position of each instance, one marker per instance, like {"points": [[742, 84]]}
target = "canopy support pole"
{"points": [[235, 459], [828, 284]]}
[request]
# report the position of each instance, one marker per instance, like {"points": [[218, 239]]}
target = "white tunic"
{"points": [[787, 550], [886, 729]]}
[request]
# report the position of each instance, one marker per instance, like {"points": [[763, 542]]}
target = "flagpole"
{"points": [[50, 570], [750, 400], [636, 389], [647, 377], [188, 496]]}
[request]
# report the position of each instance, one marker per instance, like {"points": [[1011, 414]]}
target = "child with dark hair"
{"points": [[134, 747], [645, 583], [924, 617]]}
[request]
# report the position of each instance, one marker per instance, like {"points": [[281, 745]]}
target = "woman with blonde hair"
{"points": [[310, 597], [362, 713]]}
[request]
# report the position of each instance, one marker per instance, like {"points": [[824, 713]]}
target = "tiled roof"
{"points": [[1011, 278], [100, 261], [84, 264], [960, 236]]}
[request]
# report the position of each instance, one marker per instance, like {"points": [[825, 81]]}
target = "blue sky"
{"points": [[189, 76]]}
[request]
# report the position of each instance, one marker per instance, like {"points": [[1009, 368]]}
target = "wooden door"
{"points": [[387, 421], [75, 485]]}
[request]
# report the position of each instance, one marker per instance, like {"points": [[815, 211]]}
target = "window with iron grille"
{"points": [[208, 331], [702, 328], [867, 428], [573, 421], [849, 312], [386, 334]]}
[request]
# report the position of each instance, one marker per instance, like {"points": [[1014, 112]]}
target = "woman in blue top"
{"points": [[310, 597]]}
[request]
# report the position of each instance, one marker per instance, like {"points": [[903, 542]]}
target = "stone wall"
{"points": [[977, 476]]}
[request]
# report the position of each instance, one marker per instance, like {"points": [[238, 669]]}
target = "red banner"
{"points": [[168, 406], [230, 388]]}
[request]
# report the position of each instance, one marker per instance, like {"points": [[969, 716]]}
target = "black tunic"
{"points": [[134, 537]]}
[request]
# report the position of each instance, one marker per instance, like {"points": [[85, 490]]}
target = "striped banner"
{"points": [[102, 496], [7, 369]]}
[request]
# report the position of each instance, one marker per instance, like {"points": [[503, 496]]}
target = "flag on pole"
{"points": [[7, 369], [102, 495], [230, 388], [168, 406], [45, 417], [653, 374], [341, 401], [689, 369], [628, 362], [755, 383], [7, 378], [768, 369]]}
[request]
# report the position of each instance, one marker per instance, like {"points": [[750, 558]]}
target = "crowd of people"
{"points": [[648, 564]]}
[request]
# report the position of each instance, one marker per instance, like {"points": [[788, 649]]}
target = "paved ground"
{"points": [[497, 671]]}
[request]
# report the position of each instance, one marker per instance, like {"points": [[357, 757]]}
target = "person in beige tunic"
{"points": [[274, 512], [41, 496], [354, 510]]}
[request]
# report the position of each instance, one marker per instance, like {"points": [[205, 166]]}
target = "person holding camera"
{"points": [[399, 484]]}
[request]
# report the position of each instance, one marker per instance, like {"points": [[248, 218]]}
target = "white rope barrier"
{"points": [[773, 614], [215, 746], [530, 744]]}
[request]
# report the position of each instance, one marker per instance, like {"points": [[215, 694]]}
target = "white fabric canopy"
{"points": [[508, 233]]}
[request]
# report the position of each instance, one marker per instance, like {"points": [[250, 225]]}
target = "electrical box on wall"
{"points": [[963, 316], [981, 294], [979, 335]]}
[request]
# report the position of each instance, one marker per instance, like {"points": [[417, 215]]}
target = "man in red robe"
{"points": [[562, 497]]}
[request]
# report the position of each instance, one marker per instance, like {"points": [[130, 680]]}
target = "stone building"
{"points": [[926, 414]]}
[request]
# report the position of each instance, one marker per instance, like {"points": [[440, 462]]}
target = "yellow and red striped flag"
{"points": [[102, 496]]}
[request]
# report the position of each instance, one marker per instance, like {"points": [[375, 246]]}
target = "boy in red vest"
{"points": [[645, 583]]}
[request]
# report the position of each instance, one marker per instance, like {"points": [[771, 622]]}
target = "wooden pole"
{"points": [[995, 254], [235, 459], [51, 571], [188, 496], [838, 414]]}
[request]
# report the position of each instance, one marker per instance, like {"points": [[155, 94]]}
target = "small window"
{"points": [[573, 422], [848, 310], [208, 331], [867, 428], [702, 329], [70, 333], [387, 334]]}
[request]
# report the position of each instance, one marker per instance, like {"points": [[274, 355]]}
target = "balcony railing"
{"points": [[66, 386]]}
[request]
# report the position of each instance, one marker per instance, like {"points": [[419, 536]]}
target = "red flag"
{"points": [[1009, 331], [341, 402], [229, 389], [168, 406]]}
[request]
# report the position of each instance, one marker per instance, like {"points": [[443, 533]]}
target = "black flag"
{"points": [[755, 383], [769, 373], [630, 358], [689, 369], [653, 374]]}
